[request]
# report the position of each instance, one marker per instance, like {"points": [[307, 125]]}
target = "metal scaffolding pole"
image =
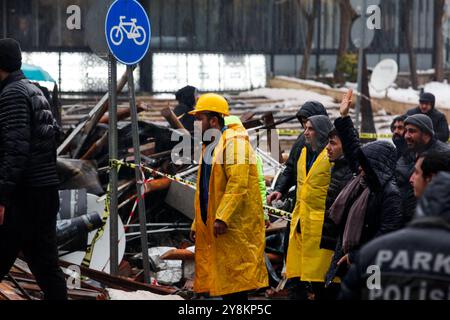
{"points": [[113, 154], [139, 181]]}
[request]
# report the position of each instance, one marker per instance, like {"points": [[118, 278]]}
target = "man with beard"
{"points": [[398, 135], [228, 228], [306, 262], [420, 138], [288, 177]]}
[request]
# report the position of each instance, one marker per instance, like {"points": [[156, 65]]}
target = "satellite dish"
{"points": [[357, 5], [384, 75], [356, 33], [100, 257]]}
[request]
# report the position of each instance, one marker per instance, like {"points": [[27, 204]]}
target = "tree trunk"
{"points": [[310, 18], [347, 16], [407, 27], [308, 48], [439, 40], [367, 122]]}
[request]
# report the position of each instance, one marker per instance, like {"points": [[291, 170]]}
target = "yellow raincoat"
{"points": [[305, 259], [232, 262]]}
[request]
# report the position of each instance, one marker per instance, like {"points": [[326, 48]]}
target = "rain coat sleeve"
{"points": [[262, 183], [237, 171]]}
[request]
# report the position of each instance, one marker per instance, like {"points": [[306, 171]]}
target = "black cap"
{"points": [[427, 97], [10, 55]]}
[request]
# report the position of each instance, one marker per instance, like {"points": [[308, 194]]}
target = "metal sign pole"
{"points": [[113, 154], [360, 66], [139, 181]]}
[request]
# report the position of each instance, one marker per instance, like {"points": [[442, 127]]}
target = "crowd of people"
{"points": [[359, 208]]}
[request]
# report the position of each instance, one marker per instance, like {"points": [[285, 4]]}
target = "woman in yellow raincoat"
{"points": [[230, 240], [305, 259]]}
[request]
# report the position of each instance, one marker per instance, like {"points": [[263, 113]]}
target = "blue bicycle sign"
{"points": [[127, 31], [136, 33]]}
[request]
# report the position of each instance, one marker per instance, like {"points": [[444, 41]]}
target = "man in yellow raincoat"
{"points": [[306, 261], [228, 228]]}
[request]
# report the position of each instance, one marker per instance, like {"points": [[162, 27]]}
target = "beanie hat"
{"points": [[10, 55], [422, 121]]}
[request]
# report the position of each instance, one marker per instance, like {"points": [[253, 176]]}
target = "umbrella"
{"points": [[35, 73]]}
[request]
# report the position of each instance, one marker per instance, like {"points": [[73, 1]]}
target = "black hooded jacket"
{"points": [[378, 159], [288, 178], [186, 102], [28, 134], [413, 262], [440, 123]]}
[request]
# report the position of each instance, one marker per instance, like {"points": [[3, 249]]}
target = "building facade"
{"points": [[230, 35]]}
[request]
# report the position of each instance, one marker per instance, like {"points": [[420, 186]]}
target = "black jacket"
{"points": [[378, 159], [288, 178], [440, 123], [413, 262], [341, 174], [186, 102], [28, 135], [404, 170]]}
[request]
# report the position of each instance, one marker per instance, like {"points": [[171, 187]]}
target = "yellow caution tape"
{"points": [[374, 136], [277, 212], [293, 132], [289, 132], [171, 177], [90, 248]]}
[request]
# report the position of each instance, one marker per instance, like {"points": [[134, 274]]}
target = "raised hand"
{"points": [[346, 103]]}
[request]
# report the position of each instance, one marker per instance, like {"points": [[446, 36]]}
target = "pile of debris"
{"points": [[83, 284]]}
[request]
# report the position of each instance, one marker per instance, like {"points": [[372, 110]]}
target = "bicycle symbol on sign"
{"points": [[136, 33]]}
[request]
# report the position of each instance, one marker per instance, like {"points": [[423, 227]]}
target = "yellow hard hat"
{"points": [[211, 102]]}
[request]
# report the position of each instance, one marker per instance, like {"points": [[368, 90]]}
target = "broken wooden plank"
{"points": [[79, 294], [172, 119], [178, 254], [120, 283], [7, 292]]}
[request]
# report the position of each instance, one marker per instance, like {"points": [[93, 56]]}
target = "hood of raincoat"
{"points": [[230, 120], [435, 202], [312, 108], [378, 160], [323, 126], [186, 96]]}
